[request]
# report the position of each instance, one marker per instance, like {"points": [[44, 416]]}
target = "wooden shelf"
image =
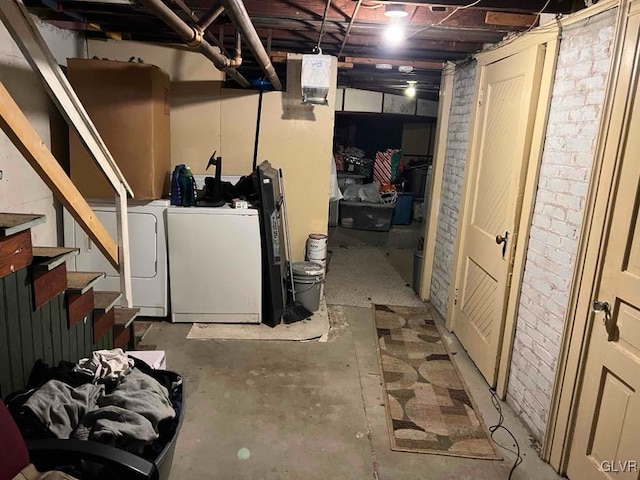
{"points": [[106, 300], [48, 258], [12, 223], [80, 282]]}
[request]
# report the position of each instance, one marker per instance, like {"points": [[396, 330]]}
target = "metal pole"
{"points": [[324, 19], [346, 35]]}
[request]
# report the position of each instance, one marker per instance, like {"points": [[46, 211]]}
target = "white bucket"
{"points": [[317, 247], [308, 280]]}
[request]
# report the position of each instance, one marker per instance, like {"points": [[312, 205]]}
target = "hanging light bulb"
{"points": [[395, 10], [410, 91], [394, 34]]}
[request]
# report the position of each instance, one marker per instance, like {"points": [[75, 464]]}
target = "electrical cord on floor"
{"points": [[498, 426]]}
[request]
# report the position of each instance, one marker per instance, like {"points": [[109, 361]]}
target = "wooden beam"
{"points": [[16, 126], [411, 63], [510, 19], [281, 57]]}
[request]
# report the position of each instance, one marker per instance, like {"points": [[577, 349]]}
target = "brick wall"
{"points": [[577, 98], [460, 116]]}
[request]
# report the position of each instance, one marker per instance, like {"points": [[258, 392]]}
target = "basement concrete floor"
{"points": [[293, 410]]}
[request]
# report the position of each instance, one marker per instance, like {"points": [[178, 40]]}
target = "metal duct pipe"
{"points": [[240, 18], [193, 38]]}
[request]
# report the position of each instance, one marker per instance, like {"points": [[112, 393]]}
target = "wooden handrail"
{"points": [[25, 33], [16, 126]]}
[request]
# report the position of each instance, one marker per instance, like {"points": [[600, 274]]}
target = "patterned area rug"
{"points": [[428, 407]]}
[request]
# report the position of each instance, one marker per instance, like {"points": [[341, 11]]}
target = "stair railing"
{"points": [[25, 33]]}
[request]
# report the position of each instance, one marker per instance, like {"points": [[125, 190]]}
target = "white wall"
{"points": [[568, 155], [21, 190], [456, 154]]}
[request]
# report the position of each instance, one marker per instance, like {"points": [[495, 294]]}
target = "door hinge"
{"points": [[455, 297], [509, 277], [480, 96]]}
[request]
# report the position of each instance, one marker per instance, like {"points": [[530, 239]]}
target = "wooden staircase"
{"points": [[47, 312]]}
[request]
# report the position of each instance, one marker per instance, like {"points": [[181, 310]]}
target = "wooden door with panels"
{"points": [[495, 177], [606, 440]]}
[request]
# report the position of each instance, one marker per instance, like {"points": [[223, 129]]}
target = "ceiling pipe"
{"points": [[207, 35], [238, 51], [210, 16], [193, 38], [346, 34], [236, 10], [234, 62]]}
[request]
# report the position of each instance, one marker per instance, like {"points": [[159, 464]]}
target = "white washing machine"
{"points": [[215, 263], [148, 246]]}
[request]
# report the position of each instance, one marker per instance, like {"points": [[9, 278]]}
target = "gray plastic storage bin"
{"points": [[366, 216]]}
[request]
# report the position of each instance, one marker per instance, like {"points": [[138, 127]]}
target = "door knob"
{"points": [[608, 321], [503, 240], [599, 306]]}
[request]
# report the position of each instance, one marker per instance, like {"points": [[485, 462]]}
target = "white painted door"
{"points": [[500, 145], [606, 441]]}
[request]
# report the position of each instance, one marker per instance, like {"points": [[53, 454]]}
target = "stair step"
{"points": [[15, 252], [106, 300], [121, 337], [12, 223], [124, 316], [79, 305], [48, 258], [48, 284], [80, 282], [103, 322], [140, 329]]}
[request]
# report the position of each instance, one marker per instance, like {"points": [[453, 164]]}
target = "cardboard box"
{"points": [[129, 104]]}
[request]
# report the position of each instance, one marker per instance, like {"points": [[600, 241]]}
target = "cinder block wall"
{"points": [[577, 99], [457, 140]]}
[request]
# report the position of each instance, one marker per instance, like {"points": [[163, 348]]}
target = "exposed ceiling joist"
{"points": [[395, 62], [554, 6], [435, 31]]}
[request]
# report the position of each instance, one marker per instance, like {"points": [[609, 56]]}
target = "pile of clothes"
{"points": [[108, 398]]}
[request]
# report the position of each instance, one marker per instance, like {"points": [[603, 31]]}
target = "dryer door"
{"points": [[143, 239]]}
